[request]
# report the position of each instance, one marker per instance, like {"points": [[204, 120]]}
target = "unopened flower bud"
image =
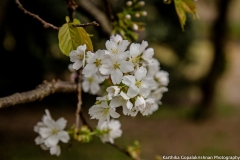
{"points": [[129, 3], [141, 3], [137, 15], [143, 13], [135, 27], [128, 16]]}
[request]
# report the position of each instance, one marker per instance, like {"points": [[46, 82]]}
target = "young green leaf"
{"points": [[182, 7], [69, 38], [85, 39]]}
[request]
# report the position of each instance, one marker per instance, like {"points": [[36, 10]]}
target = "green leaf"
{"points": [[69, 38], [182, 7], [85, 39]]}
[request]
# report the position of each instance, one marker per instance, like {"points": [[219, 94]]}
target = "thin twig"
{"points": [[79, 104], [109, 10], [45, 24], [94, 23], [71, 6], [43, 90]]}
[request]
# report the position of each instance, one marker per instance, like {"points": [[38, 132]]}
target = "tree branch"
{"points": [[79, 104], [96, 14], [45, 24], [109, 10], [94, 23], [71, 6], [43, 90]]}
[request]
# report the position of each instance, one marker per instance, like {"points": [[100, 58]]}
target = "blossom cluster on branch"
{"points": [[131, 76]]}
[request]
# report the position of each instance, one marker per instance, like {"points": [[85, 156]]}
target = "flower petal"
{"points": [[94, 87], [114, 114], [55, 150], [61, 123], [116, 76], [52, 140], [45, 132], [129, 80], [126, 66], [116, 102], [85, 86], [63, 136], [141, 73], [89, 70], [132, 91]]}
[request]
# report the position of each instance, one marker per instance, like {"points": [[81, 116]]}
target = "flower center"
{"points": [[105, 111], [116, 65], [90, 79], [98, 62], [114, 50], [81, 56], [138, 83], [54, 131], [136, 59]]}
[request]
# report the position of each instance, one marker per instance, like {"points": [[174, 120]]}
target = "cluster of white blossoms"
{"points": [[50, 133], [135, 81]]}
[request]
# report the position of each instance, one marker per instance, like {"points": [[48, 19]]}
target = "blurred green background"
{"points": [[199, 114]]}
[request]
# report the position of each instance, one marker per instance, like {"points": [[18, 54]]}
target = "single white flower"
{"points": [[54, 132], [153, 67], [157, 94], [91, 84], [162, 78], [78, 57], [103, 112], [51, 132], [116, 65], [112, 130], [151, 106], [113, 91], [138, 84], [94, 62], [140, 103], [123, 100], [116, 45], [139, 54]]}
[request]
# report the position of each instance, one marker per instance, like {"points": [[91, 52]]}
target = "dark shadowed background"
{"points": [[199, 114]]}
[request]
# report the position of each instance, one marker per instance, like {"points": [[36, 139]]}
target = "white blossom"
{"points": [[123, 100], [112, 130], [151, 106], [162, 78], [140, 103], [116, 45], [50, 133], [116, 65], [139, 54], [91, 84], [153, 67], [157, 94], [113, 91], [103, 112], [138, 84], [78, 57], [94, 62]]}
